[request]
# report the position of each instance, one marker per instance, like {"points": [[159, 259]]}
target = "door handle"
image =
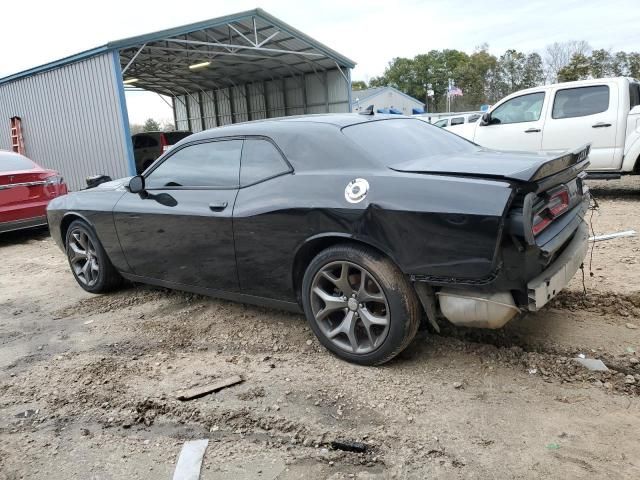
{"points": [[532, 130], [601, 125], [217, 206]]}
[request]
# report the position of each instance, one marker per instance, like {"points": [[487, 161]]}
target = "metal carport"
{"points": [[240, 67]]}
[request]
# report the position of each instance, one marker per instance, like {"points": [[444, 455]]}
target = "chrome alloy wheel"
{"points": [[350, 307], [83, 258]]}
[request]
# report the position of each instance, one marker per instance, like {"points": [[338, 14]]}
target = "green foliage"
{"points": [[358, 85], [481, 76], [484, 78], [150, 125], [577, 69]]}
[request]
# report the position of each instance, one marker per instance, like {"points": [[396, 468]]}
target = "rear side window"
{"points": [[211, 164], [457, 121], [11, 162], [395, 141], [580, 102], [442, 123], [634, 94], [260, 160], [473, 118]]}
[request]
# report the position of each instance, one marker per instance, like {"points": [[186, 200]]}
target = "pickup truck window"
{"points": [[442, 123], [473, 118], [634, 94], [525, 108], [457, 121], [580, 102]]}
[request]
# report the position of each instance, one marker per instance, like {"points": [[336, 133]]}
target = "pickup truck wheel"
{"points": [[89, 262], [359, 304]]}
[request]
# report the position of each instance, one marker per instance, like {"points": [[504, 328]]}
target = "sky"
{"points": [[370, 32]]}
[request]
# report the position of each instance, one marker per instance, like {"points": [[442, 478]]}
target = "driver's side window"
{"points": [[210, 164], [525, 108]]}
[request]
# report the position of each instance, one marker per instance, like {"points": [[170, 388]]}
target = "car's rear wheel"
{"points": [[89, 262], [359, 304]]}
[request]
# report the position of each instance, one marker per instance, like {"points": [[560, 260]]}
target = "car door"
{"points": [[515, 124], [584, 114], [179, 229], [264, 228]]}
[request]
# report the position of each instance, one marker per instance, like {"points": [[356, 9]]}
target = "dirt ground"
{"points": [[88, 383]]}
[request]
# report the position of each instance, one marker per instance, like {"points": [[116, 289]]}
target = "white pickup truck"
{"points": [[604, 112]]}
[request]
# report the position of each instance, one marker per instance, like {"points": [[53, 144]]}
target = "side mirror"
{"points": [[136, 184], [485, 119]]}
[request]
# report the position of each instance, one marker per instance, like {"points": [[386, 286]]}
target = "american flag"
{"points": [[455, 92]]}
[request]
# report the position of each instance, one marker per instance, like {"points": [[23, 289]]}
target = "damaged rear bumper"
{"points": [[549, 283], [471, 308]]}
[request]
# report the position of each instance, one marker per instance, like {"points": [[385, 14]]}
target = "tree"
{"points": [[558, 55], [533, 74], [601, 63], [358, 85], [476, 78], [633, 63], [510, 72], [136, 128], [620, 65], [150, 125], [577, 69]]}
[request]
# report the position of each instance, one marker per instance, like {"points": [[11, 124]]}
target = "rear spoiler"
{"points": [[566, 160]]}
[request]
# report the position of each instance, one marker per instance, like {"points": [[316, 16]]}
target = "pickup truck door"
{"points": [[515, 124], [584, 114]]}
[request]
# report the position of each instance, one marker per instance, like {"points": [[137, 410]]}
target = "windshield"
{"points": [[399, 140], [11, 162]]}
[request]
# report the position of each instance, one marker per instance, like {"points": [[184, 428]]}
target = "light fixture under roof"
{"points": [[196, 66], [129, 81]]}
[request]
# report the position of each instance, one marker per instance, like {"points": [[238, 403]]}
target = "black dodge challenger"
{"points": [[364, 222]]}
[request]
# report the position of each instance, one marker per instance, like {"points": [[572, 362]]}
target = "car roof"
{"points": [[264, 127]]}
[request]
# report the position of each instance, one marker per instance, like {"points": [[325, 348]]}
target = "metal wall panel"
{"points": [[240, 107], [316, 93], [224, 106], [257, 108], [321, 92], [72, 119], [195, 116], [294, 92], [338, 89], [275, 98], [182, 117], [209, 109]]}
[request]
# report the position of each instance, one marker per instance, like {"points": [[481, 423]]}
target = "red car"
{"points": [[25, 190]]}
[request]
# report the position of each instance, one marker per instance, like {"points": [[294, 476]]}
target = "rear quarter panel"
{"points": [[428, 225]]}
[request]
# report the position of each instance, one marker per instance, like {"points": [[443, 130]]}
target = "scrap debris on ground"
{"points": [[90, 385]]}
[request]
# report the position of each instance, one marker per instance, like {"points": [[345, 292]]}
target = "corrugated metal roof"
{"points": [[363, 94], [247, 46]]}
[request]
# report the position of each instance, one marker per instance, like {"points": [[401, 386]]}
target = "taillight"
{"points": [[54, 180], [557, 203], [164, 145]]}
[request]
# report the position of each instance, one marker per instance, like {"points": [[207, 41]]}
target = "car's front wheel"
{"points": [[359, 304], [89, 262]]}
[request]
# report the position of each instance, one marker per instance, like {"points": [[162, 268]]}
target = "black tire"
{"points": [[399, 307], [106, 278]]}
